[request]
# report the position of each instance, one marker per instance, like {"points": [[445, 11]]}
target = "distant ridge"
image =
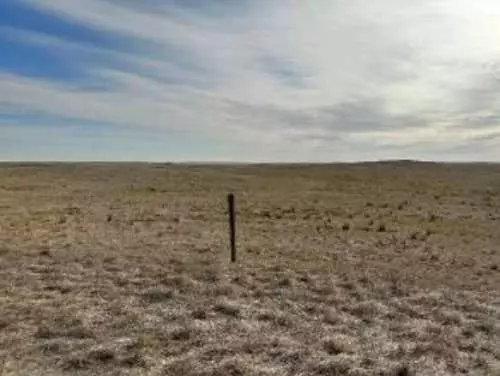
{"points": [[399, 162], [390, 162]]}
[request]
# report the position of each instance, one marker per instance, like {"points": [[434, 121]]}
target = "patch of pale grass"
{"points": [[122, 269]]}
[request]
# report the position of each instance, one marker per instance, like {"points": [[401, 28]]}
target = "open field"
{"points": [[369, 269]]}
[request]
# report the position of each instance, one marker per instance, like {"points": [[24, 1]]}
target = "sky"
{"points": [[249, 80]]}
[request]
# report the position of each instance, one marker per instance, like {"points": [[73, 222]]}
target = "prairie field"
{"points": [[389, 268]]}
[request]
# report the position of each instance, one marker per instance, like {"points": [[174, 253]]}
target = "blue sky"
{"points": [[272, 80]]}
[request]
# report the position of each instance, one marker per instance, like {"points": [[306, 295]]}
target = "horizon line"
{"points": [[215, 162]]}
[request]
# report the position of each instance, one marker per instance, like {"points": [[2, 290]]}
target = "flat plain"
{"points": [[389, 268]]}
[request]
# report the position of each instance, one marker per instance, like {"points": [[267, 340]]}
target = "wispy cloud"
{"points": [[263, 80]]}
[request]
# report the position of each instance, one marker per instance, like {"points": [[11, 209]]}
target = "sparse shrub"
{"points": [[253, 249], [432, 217], [450, 317], [202, 250], [305, 278], [178, 282], [231, 368], [223, 289], [133, 360], [3, 323], [55, 346], [401, 370], [332, 367], [285, 282], [208, 275], [395, 287], [266, 316], [265, 214], [485, 326], [331, 317], [102, 355], [420, 236], [157, 295], [468, 332], [283, 321], [346, 227], [434, 257], [146, 341], [467, 346], [337, 345], [76, 363], [227, 309], [358, 371], [368, 310], [183, 367], [63, 327], [199, 314], [45, 251], [73, 210], [310, 309], [181, 334], [403, 204]]}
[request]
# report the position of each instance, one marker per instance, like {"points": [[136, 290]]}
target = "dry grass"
{"points": [[374, 269]]}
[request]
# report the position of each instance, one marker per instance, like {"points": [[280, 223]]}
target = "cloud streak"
{"points": [[268, 80]]}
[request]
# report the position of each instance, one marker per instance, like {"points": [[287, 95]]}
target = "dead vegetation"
{"points": [[369, 269]]}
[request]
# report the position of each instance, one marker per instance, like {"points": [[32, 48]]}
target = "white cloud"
{"points": [[291, 79]]}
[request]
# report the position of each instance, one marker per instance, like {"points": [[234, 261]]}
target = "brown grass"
{"points": [[368, 269]]}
